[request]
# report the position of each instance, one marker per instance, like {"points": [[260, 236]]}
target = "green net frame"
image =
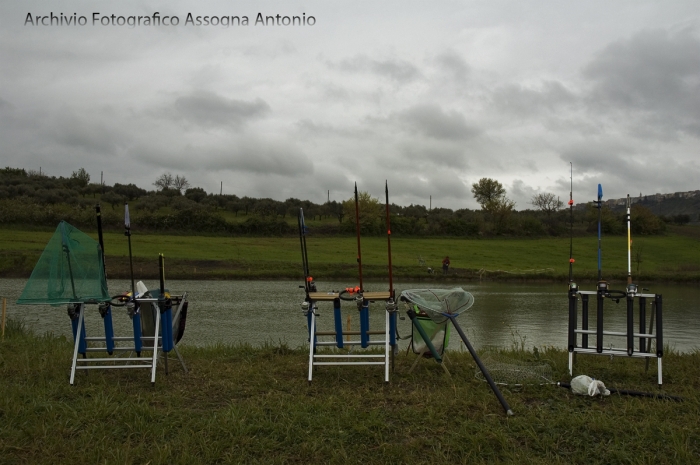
{"points": [[70, 270]]}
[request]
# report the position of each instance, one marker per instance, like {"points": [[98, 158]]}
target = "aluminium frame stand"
{"points": [[363, 302], [110, 342], [645, 336]]}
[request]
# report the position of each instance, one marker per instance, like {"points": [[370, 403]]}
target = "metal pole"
{"points": [[629, 243], [600, 218], [127, 233], [483, 369], [388, 237], [571, 226], [357, 227]]}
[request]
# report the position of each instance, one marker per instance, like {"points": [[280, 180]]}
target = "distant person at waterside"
{"points": [[445, 265]]}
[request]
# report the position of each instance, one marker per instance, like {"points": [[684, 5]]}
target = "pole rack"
{"points": [[363, 300], [110, 343], [643, 336]]}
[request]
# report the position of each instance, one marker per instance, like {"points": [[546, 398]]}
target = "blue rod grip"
{"points": [[392, 329], [364, 324], [109, 330], [338, 323], [136, 322]]}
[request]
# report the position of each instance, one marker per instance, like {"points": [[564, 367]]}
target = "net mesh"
{"points": [[438, 302], [439, 335], [509, 371], [70, 269]]}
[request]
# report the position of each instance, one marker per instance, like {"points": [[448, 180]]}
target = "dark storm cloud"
{"points": [[655, 73], [208, 109], [394, 69], [432, 121]]}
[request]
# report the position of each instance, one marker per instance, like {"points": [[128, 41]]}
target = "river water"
{"points": [[259, 312]]}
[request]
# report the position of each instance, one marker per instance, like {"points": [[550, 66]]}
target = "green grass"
{"points": [[253, 405], [673, 257]]}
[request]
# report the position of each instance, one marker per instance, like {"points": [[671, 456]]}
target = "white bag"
{"points": [[587, 386]]}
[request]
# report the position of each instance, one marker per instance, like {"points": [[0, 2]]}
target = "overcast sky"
{"points": [[431, 96]]}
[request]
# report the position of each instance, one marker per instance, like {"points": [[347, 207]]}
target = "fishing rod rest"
{"points": [[340, 337], [644, 336]]}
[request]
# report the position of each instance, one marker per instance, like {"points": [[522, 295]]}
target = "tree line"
{"points": [[29, 198]]}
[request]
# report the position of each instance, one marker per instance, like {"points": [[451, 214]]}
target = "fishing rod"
{"points": [[132, 305], [98, 212], [308, 280], [571, 224], [127, 233], [629, 243], [391, 306], [388, 238], [105, 307], [599, 205], [357, 227]]}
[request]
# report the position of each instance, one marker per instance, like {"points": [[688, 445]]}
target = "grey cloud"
{"points": [[250, 155], [86, 133], [596, 156], [207, 109], [314, 129], [655, 73], [456, 66], [522, 194], [624, 169], [428, 155], [521, 100], [432, 121], [265, 158], [397, 70], [5, 105]]}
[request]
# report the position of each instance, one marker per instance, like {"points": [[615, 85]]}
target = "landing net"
{"points": [[438, 302], [508, 371], [70, 269]]}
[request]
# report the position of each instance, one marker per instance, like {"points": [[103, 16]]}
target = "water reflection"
{"points": [[257, 312]]}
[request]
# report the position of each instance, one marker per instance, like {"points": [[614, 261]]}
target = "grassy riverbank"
{"points": [[253, 405], [673, 257]]}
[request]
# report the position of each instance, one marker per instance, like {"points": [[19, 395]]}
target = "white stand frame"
{"points": [[347, 359], [93, 363]]}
